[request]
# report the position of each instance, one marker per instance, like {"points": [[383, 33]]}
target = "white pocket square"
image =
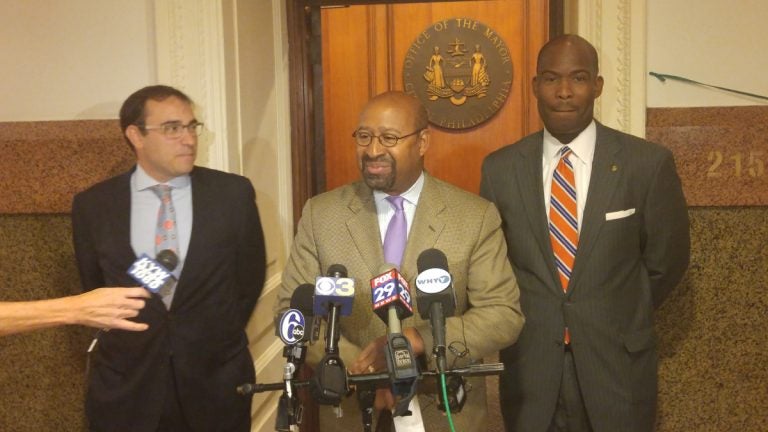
{"points": [[619, 214]]}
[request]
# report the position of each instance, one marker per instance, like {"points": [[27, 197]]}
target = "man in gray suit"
{"points": [[347, 226], [597, 230]]}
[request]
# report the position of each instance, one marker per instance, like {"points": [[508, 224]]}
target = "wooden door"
{"points": [[364, 49]]}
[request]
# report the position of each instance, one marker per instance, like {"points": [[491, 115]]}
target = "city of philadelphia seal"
{"points": [[461, 70]]}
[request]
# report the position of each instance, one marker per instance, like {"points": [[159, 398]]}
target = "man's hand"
{"points": [[372, 359], [108, 308]]}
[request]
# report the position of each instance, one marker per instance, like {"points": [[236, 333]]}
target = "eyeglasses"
{"points": [[176, 130], [365, 138]]}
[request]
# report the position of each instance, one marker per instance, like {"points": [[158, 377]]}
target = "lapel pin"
{"points": [[614, 167]]}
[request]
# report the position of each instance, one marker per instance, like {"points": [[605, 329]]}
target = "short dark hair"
{"points": [[132, 111]]}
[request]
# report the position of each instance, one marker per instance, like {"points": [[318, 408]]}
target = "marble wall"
{"points": [[43, 165], [713, 371]]}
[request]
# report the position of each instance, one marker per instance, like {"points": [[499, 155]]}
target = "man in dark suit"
{"points": [[597, 231], [181, 373]]}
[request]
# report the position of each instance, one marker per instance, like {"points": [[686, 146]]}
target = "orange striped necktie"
{"points": [[564, 222], [563, 217]]}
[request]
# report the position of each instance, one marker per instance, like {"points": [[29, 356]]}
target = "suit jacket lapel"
{"points": [[428, 223], [201, 193], [530, 179], [120, 218], [363, 227], [606, 171]]}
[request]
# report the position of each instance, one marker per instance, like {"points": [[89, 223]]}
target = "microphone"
{"points": [[155, 275], [391, 298], [435, 298], [168, 259], [292, 334], [334, 295], [303, 300]]}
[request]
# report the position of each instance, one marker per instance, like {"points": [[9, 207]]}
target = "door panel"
{"points": [[363, 52]]}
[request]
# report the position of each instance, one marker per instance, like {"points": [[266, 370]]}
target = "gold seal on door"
{"points": [[461, 70]]}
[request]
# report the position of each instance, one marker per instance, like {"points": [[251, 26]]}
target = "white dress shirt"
{"points": [[583, 152]]}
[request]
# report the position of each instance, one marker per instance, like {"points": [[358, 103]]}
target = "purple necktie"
{"points": [[397, 233]]}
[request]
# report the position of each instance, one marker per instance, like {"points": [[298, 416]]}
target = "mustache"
{"points": [[380, 158]]}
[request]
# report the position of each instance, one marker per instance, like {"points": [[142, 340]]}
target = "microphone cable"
{"points": [[445, 401]]}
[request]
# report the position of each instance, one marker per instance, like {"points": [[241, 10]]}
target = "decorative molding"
{"points": [[623, 65], [283, 113], [190, 56], [617, 30]]}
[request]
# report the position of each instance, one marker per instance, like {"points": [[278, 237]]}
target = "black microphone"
{"points": [[435, 298], [292, 333], [391, 298], [168, 259], [155, 275], [303, 299], [334, 295]]}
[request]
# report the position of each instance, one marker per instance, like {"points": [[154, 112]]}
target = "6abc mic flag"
{"points": [[292, 327]]}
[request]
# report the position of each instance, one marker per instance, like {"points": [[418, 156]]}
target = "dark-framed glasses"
{"points": [[364, 138], [175, 129]]}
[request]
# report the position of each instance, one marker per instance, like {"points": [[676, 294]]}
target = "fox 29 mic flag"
{"points": [[150, 274], [390, 289]]}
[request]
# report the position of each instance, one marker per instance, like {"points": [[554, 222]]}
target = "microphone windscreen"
{"points": [[303, 299], [337, 270], [431, 258], [168, 259]]}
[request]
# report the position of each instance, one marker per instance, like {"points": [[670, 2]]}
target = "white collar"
{"points": [[583, 146]]}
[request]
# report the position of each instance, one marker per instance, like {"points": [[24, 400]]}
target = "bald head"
{"points": [[572, 43], [391, 158], [409, 105]]}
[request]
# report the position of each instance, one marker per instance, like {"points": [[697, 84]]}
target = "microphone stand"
{"points": [[329, 383], [289, 408], [366, 386], [366, 396]]}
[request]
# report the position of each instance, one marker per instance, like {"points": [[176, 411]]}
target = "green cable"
{"points": [[445, 401]]}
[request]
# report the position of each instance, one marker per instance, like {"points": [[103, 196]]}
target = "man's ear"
{"points": [[424, 141], [134, 135], [598, 86]]}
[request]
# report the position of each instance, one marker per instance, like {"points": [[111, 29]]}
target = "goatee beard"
{"points": [[383, 183]]}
